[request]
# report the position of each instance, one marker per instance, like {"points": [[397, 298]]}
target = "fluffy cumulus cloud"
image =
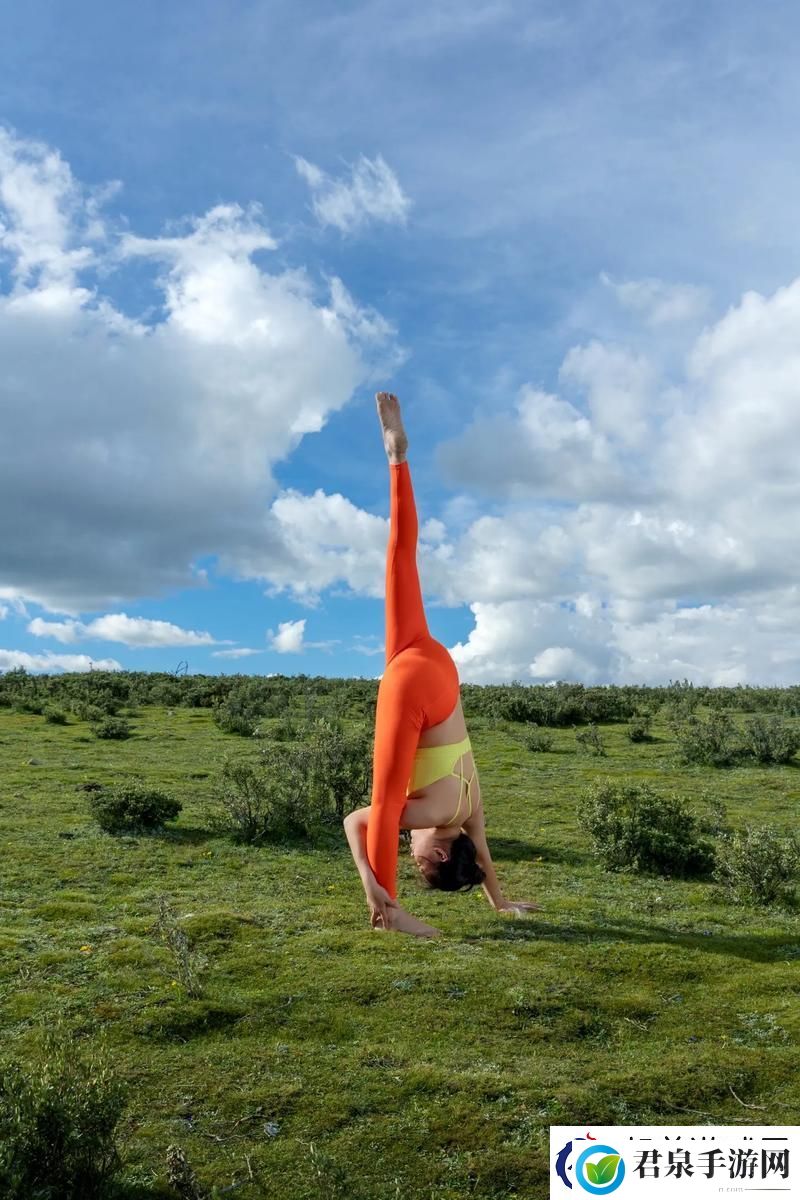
{"points": [[309, 542], [644, 529], [697, 542], [372, 192], [13, 659], [119, 627], [290, 639], [545, 446], [133, 447], [634, 521]]}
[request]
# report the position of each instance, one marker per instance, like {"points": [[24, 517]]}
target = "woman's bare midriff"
{"points": [[453, 729]]}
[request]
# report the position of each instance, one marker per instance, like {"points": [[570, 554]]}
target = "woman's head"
{"points": [[448, 864]]}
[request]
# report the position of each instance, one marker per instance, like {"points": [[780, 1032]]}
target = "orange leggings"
{"points": [[419, 686]]}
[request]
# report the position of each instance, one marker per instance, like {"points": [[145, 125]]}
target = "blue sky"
{"points": [[564, 235]]}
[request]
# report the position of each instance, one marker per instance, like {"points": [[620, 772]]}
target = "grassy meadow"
{"points": [[324, 1059]]}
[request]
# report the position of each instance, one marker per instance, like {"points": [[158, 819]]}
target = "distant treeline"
{"points": [[306, 696]]}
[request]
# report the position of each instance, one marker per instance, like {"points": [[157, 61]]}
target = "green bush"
{"points": [[58, 1119], [537, 739], [770, 739], [337, 766], [86, 712], [713, 741], [132, 807], [188, 963], [53, 715], [116, 728], [239, 712], [292, 789], [632, 827], [713, 817], [286, 730], [757, 865], [590, 739], [259, 801], [639, 727]]}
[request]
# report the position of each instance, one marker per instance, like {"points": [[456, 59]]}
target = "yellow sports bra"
{"points": [[432, 763]]}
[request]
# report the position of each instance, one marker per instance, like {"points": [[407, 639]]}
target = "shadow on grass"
{"points": [[187, 835], [514, 850], [140, 1191], [754, 948]]}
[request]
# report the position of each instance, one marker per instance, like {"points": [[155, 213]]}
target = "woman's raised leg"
{"points": [[398, 716], [405, 612]]}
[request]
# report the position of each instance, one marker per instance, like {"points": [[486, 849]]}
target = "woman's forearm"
{"points": [[475, 828], [355, 832], [491, 884]]}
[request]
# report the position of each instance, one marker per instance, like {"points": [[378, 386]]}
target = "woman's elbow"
{"points": [[359, 816]]}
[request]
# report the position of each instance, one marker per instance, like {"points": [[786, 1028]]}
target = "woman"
{"points": [[424, 776]]}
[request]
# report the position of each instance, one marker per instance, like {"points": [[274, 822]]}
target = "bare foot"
{"points": [[401, 921], [394, 435]]}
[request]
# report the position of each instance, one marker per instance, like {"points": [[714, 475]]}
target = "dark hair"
{"points": [[458, 872]]}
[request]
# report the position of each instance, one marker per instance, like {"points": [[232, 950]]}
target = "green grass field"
{"points": [[333, 1061]]}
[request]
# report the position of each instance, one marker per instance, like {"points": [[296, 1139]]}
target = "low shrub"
{"points": [[632, 827], [337, 766], [537, 739], [714, 819], [590, 740], [639, 727], [286, 730], [770, 739], [238, 713], [188, 963], [713, 741], [132, 808], [53, 715], [58, 1120], [259, 801], [292, 789], [85, 711], [757, 865], [116, 728]]}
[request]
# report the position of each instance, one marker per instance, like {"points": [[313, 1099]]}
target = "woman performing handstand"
{"points": [[420, 738]]}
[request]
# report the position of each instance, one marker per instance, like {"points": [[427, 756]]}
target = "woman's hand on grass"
{"points": [[380, 904]]}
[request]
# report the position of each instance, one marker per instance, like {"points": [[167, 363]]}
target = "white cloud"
{"points": [[360, 640], [313, 541], [533, 641], [11, 659], [48, 220], [160, 437], [61, 631], [557, 662], [660, 303], [240, 652], [609, 565], [289, 638], [619, 387], [118, 627], [546, 448], [372, 193]]}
